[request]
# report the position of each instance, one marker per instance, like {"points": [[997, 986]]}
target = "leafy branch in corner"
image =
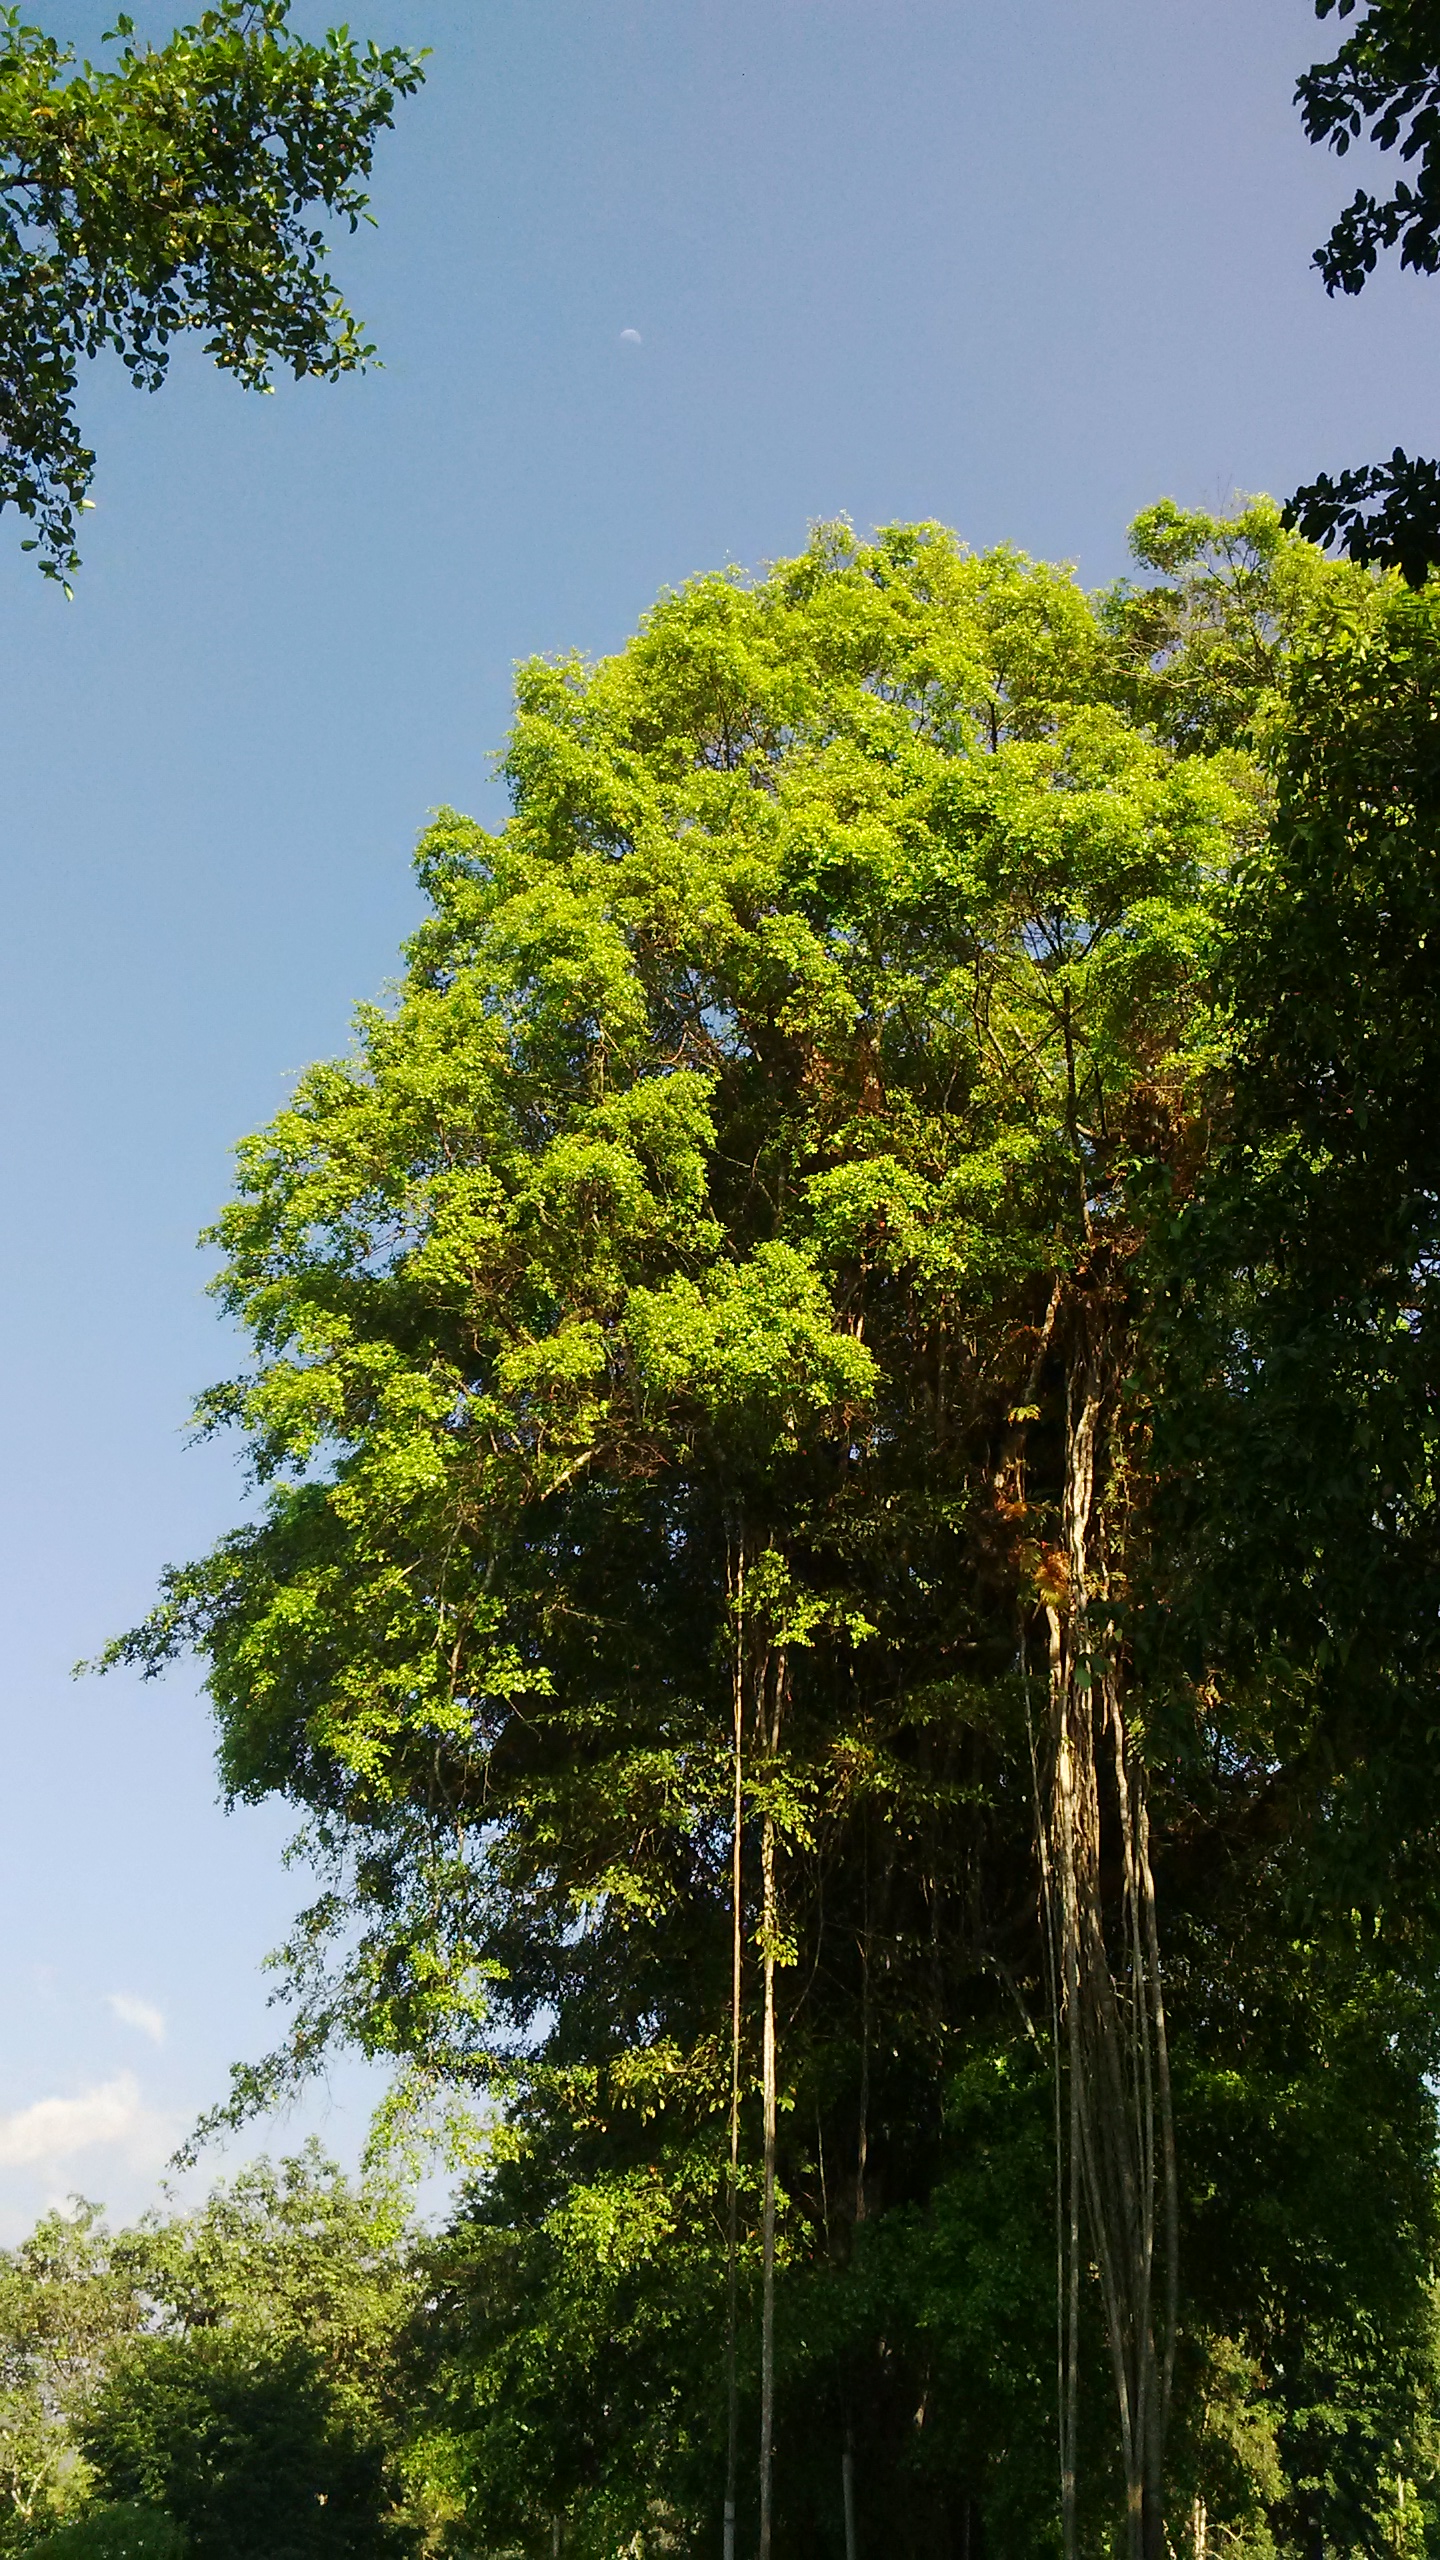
{"points": [[1383, 86], [175, 190]]}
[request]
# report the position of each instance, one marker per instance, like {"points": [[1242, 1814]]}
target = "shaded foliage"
{"points": [[1383, 86], [241, 2442]]}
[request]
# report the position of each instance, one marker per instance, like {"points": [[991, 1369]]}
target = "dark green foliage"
{"points": [[577, 2354], [175, 191], [1386, 515], [1296, 1401], [1384, 85], [1299, 1400], [115, 2533], [953, 2420], [242, 2442]]}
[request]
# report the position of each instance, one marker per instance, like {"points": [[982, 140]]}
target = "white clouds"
{"points": [[140, 2014], [108, 2117], [630, 338]]}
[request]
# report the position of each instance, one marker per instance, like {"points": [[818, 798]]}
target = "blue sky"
{"points": [[656, 282]]}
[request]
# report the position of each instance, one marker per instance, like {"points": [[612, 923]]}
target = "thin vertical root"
{"points": [[732, 2216]]}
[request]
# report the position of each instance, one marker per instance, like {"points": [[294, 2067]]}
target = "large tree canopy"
{"points": [[710, 1337], [174, 190]]}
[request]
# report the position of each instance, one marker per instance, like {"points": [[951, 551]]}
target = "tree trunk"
{"points": [[1066, 2151], [1117, 2176], [847, 2493]]}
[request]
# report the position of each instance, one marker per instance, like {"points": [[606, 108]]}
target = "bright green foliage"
{"points": [[174, 191], [1208, 648], [570, 2366], [264, 2416], [294, 2254], [665, 1289]]}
